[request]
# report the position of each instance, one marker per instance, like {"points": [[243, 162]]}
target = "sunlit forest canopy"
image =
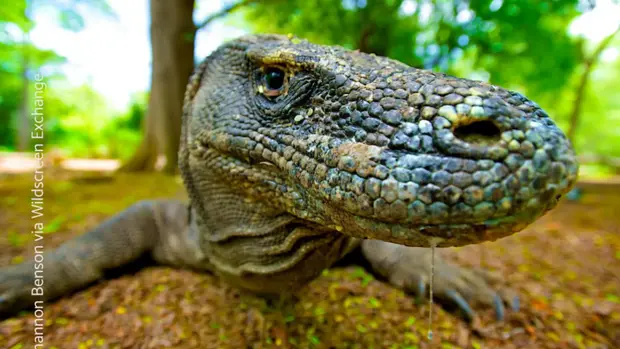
{"points": [[563, 54]]}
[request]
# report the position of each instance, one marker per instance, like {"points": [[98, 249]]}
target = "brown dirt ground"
{"points": [[566, 267]]}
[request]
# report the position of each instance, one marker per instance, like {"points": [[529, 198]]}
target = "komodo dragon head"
{"points": [[366, 146]]}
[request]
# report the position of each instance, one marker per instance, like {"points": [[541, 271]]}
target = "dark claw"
{"points": [[516, 303], [461, 302], [499, 307]]}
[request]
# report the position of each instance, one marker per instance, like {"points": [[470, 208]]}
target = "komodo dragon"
{"points": [[295, 155]]}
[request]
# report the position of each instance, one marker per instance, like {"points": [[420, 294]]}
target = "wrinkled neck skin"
{"points": [[253, 245]]}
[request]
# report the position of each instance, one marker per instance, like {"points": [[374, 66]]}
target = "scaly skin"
{"points": [[294, 154]]}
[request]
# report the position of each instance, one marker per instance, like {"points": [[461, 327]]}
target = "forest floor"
{"points": [[566, 268]]}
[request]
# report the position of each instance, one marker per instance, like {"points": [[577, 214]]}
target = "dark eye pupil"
{"points": [[274, 78]]}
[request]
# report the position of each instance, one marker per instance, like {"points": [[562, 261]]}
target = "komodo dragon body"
{"points": [[295, 154]]}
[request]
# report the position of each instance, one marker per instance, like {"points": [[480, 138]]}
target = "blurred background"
{"points": [[100, 59], [116, 71]]}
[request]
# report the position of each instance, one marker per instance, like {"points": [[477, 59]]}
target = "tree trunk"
{"points": [[23, 119], [172, 47], [145, 157], [24, 124], [583, 81]]}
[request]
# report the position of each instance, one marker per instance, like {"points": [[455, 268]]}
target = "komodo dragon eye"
{"points": [[274, 79]]}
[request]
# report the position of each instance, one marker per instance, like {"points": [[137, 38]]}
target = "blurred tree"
{"points": [[172, 42], [172, 47], [597, 131], [588, 65], [123, 134], [12, 87], [80, 115], [16, 22], [16, 56]]}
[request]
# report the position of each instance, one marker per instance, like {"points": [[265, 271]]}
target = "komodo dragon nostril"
{"points": [[483, 133]]}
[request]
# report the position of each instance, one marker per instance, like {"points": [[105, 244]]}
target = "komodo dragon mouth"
{"points": [[373, 148]]}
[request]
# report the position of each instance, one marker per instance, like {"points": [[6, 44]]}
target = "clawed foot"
{"points": [[409, 268], [464, 288]]}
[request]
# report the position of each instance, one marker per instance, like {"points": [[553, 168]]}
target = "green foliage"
{"points": [[19, 58], [80, 114], [85, 126], [599, 126], [14, 57], [77, 118], [123, 134], [14, 13], [530, 37]]}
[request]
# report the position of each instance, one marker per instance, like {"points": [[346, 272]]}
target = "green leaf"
{"points": [[314, 340], [612, 298], [374, 302], [54, 224]]}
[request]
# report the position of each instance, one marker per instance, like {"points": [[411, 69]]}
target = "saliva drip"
{"points": [[430, 310]]}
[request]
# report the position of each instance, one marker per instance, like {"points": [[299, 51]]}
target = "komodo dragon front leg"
{"points": [[158, 228]]}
